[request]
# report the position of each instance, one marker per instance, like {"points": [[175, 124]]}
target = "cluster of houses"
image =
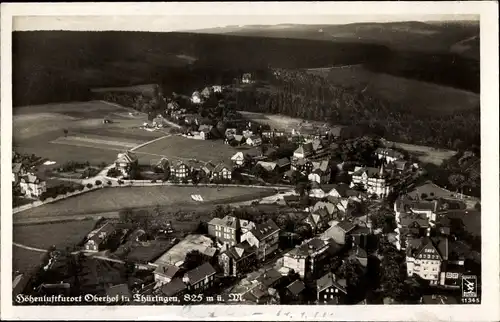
{"points": [[424, 235], [178, 169], [30, 184]]}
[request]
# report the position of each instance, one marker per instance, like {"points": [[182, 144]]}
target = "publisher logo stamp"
{"points": [[469, 286]]}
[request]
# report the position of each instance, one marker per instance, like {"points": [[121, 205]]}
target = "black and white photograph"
{"points": [[241, 160]]}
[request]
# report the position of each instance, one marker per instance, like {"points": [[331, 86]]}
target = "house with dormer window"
{"points": [[200, 279], [265, 237]]}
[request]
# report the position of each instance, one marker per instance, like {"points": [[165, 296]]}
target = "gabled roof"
{"points": [[316, 144], [329, 280], [268, 166], [346, 226], [174, 287], [305, 148], [126, 157], [238, 137], [269, 277], [240, 250], [265, 229], [440, 244], [208, 166], [296, 287], [308, 247], [321, 165], [100, 234], [283, 162], [199, 273], [221, 166], [270, 151], [254, 137], [167, 270], [340, 188], [238, 155]]}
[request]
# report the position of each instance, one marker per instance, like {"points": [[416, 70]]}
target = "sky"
{"points": [[196, 21]]}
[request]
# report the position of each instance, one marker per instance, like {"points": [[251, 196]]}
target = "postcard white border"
{"points": [[487, 311]]}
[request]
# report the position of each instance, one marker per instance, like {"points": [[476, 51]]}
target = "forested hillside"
{"points": [[299, 94]]}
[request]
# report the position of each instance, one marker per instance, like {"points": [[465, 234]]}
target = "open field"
{"points": [[281, 122], [114, 199], [418, 96], [39, 130], [24, 260], [43, 236], [426, 154], [62, 234], [178, 147]]}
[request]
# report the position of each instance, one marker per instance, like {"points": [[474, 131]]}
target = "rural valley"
{"points": [[312, 164]]}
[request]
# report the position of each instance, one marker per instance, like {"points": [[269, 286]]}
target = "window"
{"points": [[332, 296]]}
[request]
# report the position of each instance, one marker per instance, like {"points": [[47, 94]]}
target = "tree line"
{"points": [[296, 93]]}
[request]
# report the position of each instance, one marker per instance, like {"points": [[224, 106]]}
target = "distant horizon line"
{"points": [[265, 25]]}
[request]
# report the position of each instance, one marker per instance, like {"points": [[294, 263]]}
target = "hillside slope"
{"points": [[408, 35]]}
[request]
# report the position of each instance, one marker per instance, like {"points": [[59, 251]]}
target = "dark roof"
{"points": [[327, 281], [167, 270], [174, 287], [360, 230], [269, 277], [265, 229], [119, 290], [308, 247], [341, 188], [409, 219], [346, 226], [359, 252], [438, 243], [370, 171], [200, 272], [209, 166], [296, 287], [291, 198], [270, 151], [102, 233], [283, 162], [240, 250]]}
